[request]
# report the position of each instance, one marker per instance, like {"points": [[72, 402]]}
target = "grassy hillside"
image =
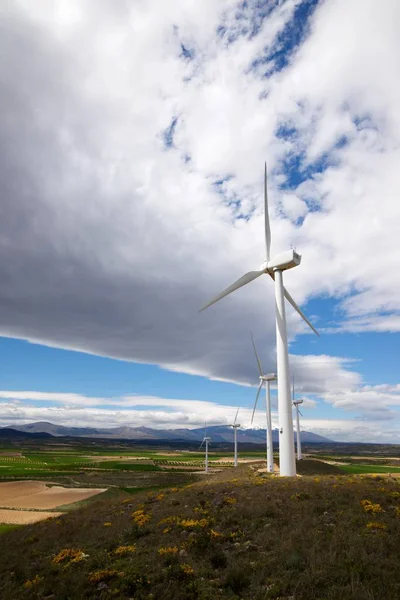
{"points": [[237, 534]]}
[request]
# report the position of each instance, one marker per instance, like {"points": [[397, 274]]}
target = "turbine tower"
{"points": [[267, 380], [298, 412], [235, 427], [206, 441], [274, 267]]}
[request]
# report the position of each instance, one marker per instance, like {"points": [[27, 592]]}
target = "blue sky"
{"points": [[131, 162]]}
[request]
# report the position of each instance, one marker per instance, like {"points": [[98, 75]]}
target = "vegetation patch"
{"points": [[238, 534]]}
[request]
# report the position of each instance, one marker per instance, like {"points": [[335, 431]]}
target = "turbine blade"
{"points": [[235, 286], [255, 403], [237, 412], [300, 413], [201, 445], [298, 309], [295, 306], [266, 217], [255, 352]]}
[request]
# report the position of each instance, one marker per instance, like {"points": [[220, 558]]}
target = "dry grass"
{"points": [[236, 535]]}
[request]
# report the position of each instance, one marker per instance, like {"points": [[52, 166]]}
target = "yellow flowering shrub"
{"points": [[168, 520], [32, 582], [102, 575], [187, 569], [169, 550], [140, 517], [200, 511], [68, 556], [107, 524], [123, 550], [236, 534], [369, 506], [193, 523], [374, 525], [215, 534], [230, 500]]}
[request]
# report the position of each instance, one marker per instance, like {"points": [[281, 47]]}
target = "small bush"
{"points": [[102, 575], [237, 578], [218, 559], [134, 581]]}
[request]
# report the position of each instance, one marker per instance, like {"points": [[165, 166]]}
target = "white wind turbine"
{"points": [[235, 427], [274, 268], [206, 440], [267, 380], [298, 413]]}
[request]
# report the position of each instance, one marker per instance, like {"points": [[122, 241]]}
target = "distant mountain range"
{"points": [[217, 433]]}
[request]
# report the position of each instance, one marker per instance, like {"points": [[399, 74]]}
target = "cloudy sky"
{"points": [[133, 136]]}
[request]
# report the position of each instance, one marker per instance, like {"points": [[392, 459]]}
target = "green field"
{"points": [[5, 528], [85, 461], [359, 469], [44, 463]]}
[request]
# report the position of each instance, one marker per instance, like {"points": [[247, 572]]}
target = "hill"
{"points": [[238, 534], [7, 433], [218, 433]]}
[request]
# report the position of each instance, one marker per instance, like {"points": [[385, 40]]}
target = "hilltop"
{"points": [[237, 534]]}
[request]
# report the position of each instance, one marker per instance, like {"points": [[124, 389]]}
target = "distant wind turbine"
{"points": [[206, 440], [235, 427], [298, 412], [267, 380], [274, 268]]}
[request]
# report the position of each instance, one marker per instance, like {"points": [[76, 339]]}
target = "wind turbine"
{"points": [[267, 380], [274, 268], [206, 440], [298, 412], [235, 427]]}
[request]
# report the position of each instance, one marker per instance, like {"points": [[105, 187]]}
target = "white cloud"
{"points": [[20, 407], [352, 430], [111, 242], [77, 410], [375, 401]]}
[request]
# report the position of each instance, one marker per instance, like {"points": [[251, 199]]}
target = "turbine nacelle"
{"points": [[268, 377], [296, 402], [282, 262]]}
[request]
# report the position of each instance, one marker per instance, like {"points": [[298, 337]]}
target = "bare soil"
{"points": [[142, 459], [37, 495], [241, 461], [25, 517]]}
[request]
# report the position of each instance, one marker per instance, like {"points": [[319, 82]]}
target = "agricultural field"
{"points": [[41, 483], [61, 477], [80, 462], [34, 464]]}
